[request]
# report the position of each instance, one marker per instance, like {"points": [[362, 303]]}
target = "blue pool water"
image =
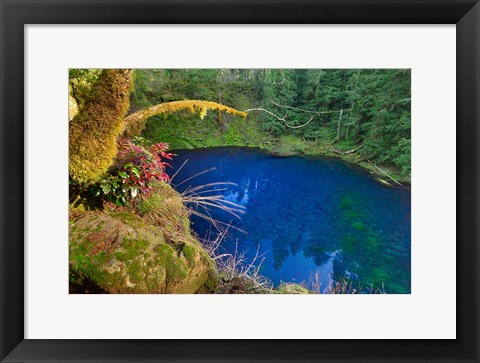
{"points": [[308, 215]]}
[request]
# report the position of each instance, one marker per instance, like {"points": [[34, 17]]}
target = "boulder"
{"points": [[292, 288], [117, 252]]}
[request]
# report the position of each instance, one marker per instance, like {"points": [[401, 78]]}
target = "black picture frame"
{"points": [[15, 14]]}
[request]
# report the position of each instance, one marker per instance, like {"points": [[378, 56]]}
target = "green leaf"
{"points": [[106, 188], [136, 172], [134, 192], [123, 174]]}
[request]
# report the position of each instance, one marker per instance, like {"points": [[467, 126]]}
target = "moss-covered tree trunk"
{"points": [[94, 130]]}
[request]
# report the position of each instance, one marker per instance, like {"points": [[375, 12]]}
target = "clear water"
{"points": [[308, 215]]}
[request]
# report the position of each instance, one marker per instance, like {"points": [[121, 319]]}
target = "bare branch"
{"points": [[263, 110], [297, 127], [180, 168], [283, 119], [194, 176]]}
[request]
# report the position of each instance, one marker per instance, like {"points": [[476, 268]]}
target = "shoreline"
{"points": [[350, 159], [188, 133]]}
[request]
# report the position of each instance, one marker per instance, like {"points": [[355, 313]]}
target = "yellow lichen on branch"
{"points": [[135, 123]]}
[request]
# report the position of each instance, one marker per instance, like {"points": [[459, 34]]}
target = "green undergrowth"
{"points": [[185, 131]]}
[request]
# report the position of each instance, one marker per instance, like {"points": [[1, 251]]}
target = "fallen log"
{"points": [[339, 152], [387, 175]]}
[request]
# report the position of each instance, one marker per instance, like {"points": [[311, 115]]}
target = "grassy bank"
{"points": [[186, 131]]}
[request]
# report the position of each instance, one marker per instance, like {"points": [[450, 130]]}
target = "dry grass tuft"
{"points": [[163, 207], [236, 269], [340, 286]]}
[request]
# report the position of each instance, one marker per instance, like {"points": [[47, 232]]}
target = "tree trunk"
{"points": [[219, 114], [339, 124], [94, 130]]}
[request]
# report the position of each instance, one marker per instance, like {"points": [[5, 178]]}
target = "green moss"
{"points": [[135, 271], [290, 288], [115, 280], [185, 222], [211, 283], [175, 268], [132, 248], [75, 275], [127, 217], [84, 267], [148, 205], [189, 253], [94, 130], [102, 258], [155, 281]]}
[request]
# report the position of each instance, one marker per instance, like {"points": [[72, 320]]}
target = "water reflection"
{"points": [[308, 215]]}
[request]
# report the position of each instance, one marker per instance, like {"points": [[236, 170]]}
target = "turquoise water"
{"points": [[307, 215]]}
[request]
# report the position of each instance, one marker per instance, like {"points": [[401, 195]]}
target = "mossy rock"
{"points": [[120, 253], [291, 288]]}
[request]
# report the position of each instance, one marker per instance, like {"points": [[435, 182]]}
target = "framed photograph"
{"points": [[240, 181]]}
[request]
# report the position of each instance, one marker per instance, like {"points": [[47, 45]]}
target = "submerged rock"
{"points": [[119, 253]]}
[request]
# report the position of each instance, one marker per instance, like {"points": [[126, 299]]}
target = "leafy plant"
{"points": [[134, 171]]}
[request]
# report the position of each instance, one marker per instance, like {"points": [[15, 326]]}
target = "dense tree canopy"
{"points": [[366, 110]]}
